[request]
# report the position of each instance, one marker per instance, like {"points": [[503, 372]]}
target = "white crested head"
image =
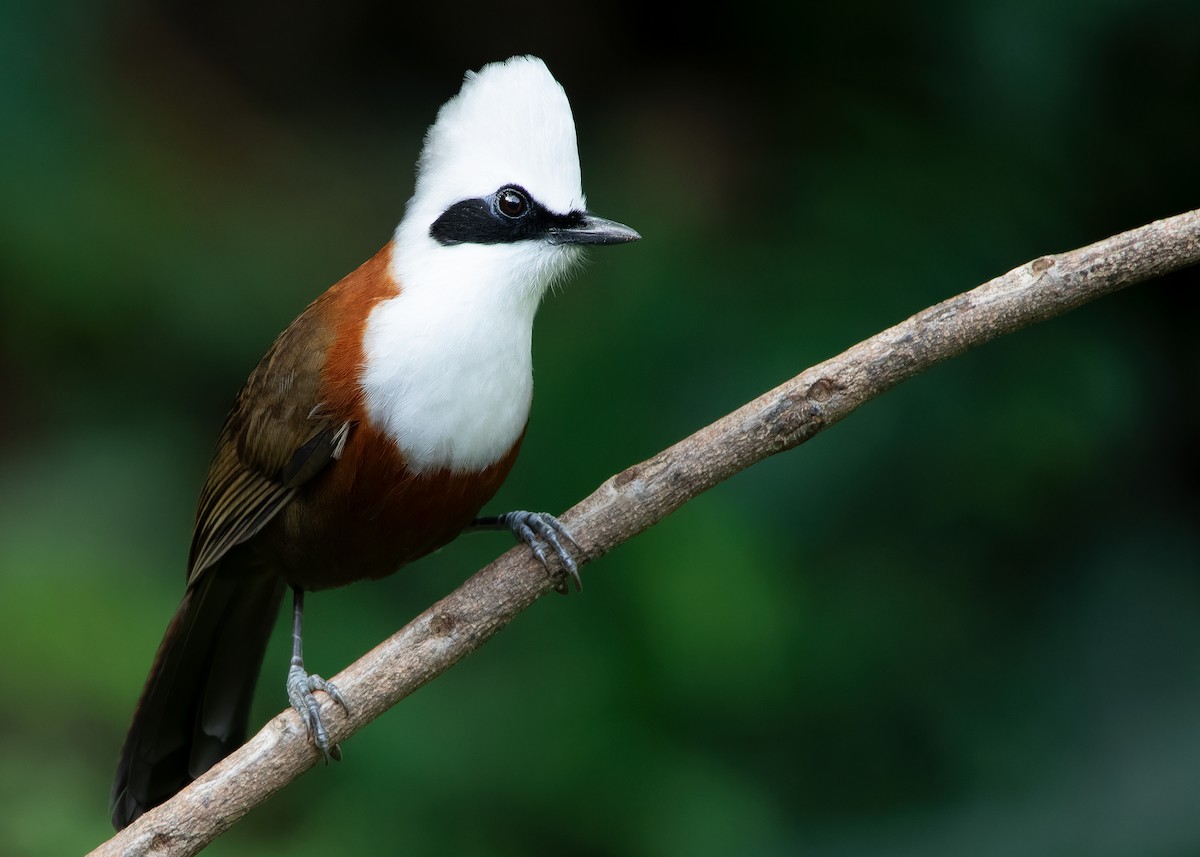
{"points": [[497, 216], [509, 125]]}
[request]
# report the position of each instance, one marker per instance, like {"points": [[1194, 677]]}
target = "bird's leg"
{"points": [[300, 686], [538, 529]]}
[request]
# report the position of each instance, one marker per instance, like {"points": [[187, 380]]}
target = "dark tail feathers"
{"points": [[196, 703]]}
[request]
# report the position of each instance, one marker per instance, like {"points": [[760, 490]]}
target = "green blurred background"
{"points": [[964, 621]]}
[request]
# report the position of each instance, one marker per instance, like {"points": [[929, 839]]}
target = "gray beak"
{"points": [[591, 229]]}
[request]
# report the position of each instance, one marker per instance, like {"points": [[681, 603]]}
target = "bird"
{"points": [[378, 424]]}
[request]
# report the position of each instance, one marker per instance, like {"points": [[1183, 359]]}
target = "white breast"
{"points": [[448, 372]]}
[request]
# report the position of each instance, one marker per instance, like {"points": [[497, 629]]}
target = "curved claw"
{"points": [[300, 688], [538, 529]]}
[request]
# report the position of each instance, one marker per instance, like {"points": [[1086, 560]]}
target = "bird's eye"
{"points": [[511, 202]]}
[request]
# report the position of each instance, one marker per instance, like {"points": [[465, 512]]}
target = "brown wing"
{"points": [[278, 435]]}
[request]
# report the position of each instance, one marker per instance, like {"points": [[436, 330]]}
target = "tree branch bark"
{"points": [[635, 499]]}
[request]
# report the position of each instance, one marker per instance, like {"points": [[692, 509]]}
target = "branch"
{"points": [[637, 498]]}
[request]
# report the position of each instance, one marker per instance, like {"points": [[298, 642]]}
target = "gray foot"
{"points": [[300, 687], [539, 530]]}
